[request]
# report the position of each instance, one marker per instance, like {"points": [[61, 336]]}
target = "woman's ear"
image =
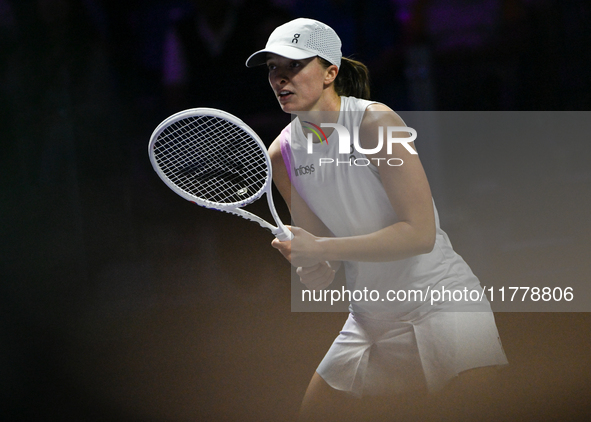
{"points": [[331, 73]]}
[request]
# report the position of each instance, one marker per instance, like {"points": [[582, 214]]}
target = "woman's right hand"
{"points": [[317, 277]]}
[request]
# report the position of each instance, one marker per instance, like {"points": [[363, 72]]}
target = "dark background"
{"points": [[122, 302]]}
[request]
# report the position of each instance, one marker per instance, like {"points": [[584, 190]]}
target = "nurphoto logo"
{"points": [[345, 146]]}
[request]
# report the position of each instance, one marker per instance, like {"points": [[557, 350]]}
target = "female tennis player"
{"points": [[371, 211]]}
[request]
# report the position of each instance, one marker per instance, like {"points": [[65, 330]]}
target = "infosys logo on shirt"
{"points": [[303, 170]]}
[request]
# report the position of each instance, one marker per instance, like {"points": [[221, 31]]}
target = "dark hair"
{"points": [[352, 80]]}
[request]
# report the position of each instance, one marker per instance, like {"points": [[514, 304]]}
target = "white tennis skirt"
{"points": [[377, 357]]}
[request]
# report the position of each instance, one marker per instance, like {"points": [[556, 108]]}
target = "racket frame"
{"points": [[280, 231]]}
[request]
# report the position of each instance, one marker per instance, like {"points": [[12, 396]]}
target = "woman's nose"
{"points": [[280, 77]]}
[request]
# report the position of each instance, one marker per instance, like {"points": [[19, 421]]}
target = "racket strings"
{"points": [[241, 154], [212, 159], [208, 168]]}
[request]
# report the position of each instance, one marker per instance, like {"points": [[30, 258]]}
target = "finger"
{"points": [[324, 282], [311, 273], [318, 279], [320, 284], [277, 244], [307, 270], [329, 279], [322, 267], [283, 247]]}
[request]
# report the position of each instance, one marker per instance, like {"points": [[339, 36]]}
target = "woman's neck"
{"points": [[330, 101], [324, 112]]}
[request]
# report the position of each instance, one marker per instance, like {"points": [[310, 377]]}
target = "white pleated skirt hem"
{"points": [[381, 357]]}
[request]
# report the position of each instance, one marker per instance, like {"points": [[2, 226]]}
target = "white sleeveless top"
{"points": [[350, 200]]}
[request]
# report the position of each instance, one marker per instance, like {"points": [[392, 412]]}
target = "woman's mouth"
{"points": [[284, 95]]}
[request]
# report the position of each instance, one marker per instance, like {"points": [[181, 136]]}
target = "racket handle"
{"points": [[284, 235]]}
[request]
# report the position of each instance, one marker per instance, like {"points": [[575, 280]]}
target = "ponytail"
{"points": [[352, 79]]}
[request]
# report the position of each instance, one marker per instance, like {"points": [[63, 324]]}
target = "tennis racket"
{"points": [[213, 159]]}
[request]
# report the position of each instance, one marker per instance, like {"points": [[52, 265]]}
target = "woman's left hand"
{"points": [[302, 250], [317, 277]]}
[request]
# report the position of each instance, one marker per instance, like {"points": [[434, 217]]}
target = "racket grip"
{"points": [[284, 235]]}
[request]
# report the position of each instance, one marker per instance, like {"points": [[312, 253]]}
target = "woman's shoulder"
{"points": [[274, 151], [276, 147], [355, 103], [380, 114]]}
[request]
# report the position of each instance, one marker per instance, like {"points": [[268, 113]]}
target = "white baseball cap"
{"points": [[301, 39]]}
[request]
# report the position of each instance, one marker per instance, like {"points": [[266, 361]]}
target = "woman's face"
{"points": [[298, 85]]}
